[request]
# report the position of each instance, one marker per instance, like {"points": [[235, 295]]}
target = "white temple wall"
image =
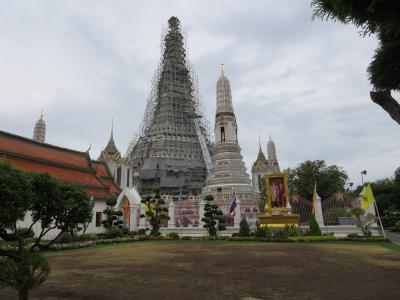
{"points": [[100, 205], [126, 179]]}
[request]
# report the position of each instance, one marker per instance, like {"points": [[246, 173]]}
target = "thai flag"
{"points": [[232, 210]]}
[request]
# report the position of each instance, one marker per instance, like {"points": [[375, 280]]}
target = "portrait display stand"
{"points": [[277, 212]]}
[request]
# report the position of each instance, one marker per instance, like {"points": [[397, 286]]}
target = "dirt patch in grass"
{"points": [[197, 270]]}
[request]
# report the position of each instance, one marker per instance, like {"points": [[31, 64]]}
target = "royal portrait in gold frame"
{"points": [[276, 187]]}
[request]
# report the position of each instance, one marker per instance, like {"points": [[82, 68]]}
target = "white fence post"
{"points": [[201, 212], [237, 218], [171, 213], [318, 212]]}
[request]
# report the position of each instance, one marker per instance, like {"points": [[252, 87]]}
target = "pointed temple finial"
{"points": [[112, 127], [110, 150], [259, 141], [270, 138], [222, 70], [41, 115]]}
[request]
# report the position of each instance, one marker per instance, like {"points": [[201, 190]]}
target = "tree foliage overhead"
{"points": [[51, 204], [380, 17], [15, 196], [397, 175], [329, 179], [27, 273]]}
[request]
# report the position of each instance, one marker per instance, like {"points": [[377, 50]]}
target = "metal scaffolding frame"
{"points": [[174, 126]]}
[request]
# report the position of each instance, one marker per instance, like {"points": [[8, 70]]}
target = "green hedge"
{"points": [[85, 244], [328, 238], [299, 239]]}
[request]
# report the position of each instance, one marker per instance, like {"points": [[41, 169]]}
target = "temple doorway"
{"points": [[127, 213]]}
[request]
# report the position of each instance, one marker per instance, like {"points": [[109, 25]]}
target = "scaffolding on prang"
{"points": [[171, 148]]}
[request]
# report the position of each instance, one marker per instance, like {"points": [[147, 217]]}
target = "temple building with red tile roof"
{"points": [[74, 167], [63, 164]]}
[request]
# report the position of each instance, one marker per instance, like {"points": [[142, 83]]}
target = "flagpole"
{"points": [[380, 220]]}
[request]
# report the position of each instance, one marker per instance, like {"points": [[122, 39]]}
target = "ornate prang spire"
{"points": [[111, 148], [272, 152], [224, 96], [261, 157], [39, 133], [110, 151], [169, 149], [228, 174], [228, 166]]}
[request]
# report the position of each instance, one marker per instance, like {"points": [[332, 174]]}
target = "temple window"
{"points": [[99, 216], [222, 134], [119, 176], [127, 177]]}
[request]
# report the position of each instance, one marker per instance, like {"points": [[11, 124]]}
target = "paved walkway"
{"points": [[394, 237]]}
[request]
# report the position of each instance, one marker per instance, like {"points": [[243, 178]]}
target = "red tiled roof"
{"points": [[29, 148], [104, 172], [61, 163]]}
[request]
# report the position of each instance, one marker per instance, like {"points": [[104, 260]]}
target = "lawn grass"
{"points": [[223, 270]]}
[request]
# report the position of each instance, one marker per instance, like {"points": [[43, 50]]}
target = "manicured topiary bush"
{"points": [[156, 211], [213, 217], [173, 235], [314, 227], [263, 233], [142, 231], [244, 228], [113, 233]]}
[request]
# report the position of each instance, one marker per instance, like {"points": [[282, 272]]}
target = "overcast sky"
{"points": [[303, 81]]}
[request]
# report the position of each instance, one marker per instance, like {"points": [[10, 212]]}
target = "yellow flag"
{"points": [[314, 198], [368, 197]]}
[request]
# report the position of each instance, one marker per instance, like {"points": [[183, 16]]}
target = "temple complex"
{"points": [[171, 150]]}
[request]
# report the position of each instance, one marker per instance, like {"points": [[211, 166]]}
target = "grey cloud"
{"points": [[303, 81]]}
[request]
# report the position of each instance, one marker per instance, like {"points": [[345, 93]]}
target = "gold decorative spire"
{"points": [[112, 127], [111, 149]]}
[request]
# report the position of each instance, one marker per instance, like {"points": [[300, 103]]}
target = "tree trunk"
{"points": [[385, 100], [23, 294]]}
